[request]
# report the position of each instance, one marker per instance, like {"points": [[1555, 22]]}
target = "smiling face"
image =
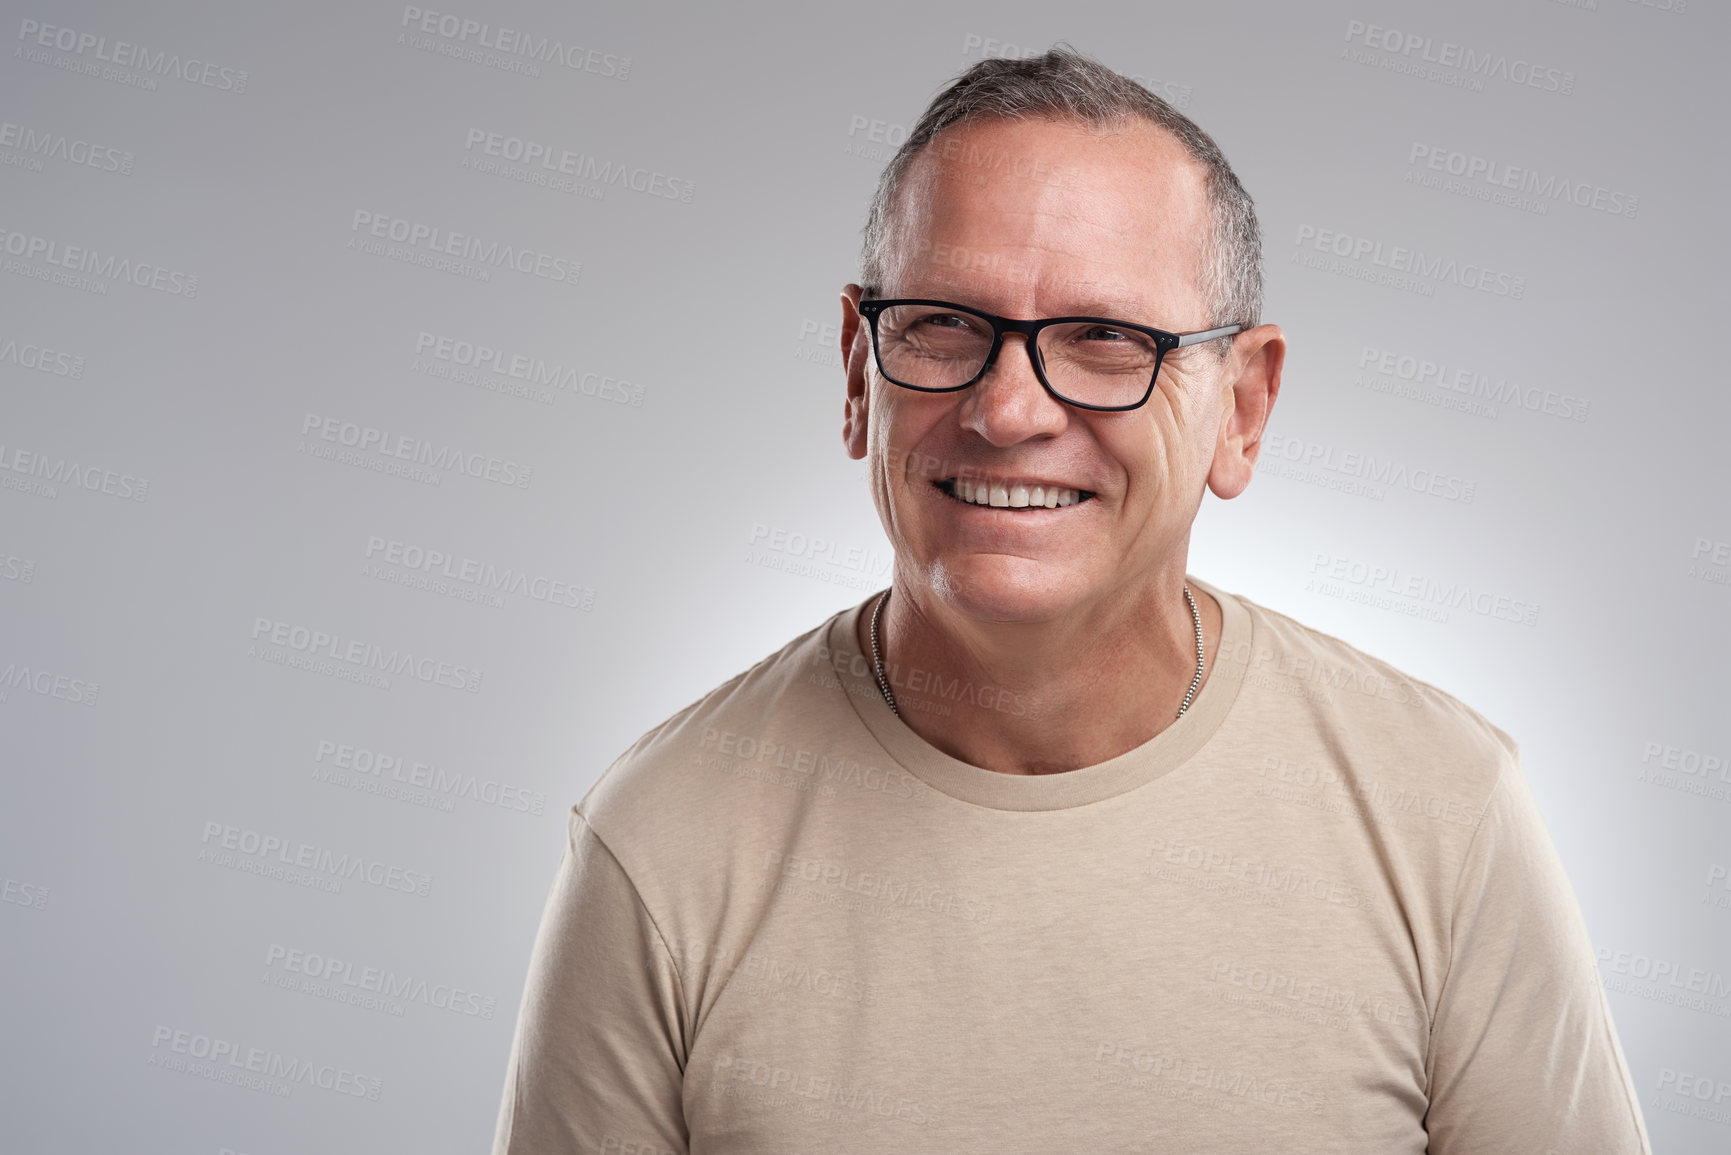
{"points": [[1029, 219]]}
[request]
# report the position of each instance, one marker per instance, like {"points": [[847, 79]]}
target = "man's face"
{"points": [[1032, 219]]}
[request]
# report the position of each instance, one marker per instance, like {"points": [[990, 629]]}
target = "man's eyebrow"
{"points": [[1114, 309], [1111, 308]]}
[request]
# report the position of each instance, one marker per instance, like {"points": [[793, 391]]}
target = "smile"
{"points": [[1009, 494]]}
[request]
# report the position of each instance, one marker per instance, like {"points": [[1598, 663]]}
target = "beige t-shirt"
{"points": [[1319, 912]]}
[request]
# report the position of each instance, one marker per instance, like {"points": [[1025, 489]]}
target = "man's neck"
{"points": [[1043, 699]]}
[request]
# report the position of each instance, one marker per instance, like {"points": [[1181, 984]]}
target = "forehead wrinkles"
{"points": [[1105, 209]]}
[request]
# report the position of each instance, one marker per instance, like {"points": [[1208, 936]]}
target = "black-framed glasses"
{"points": [[1089, 362]]}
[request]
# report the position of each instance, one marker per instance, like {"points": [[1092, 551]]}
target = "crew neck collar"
{"points": [[1138, 766]]}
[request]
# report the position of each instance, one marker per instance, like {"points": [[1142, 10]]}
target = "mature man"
{"points": [[1050, 846]]}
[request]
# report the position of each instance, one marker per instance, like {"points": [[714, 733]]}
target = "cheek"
{"points": [[888, 439], [1188, 430], [1146, 455], [901, 435]]}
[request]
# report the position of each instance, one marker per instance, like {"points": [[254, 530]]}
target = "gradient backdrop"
{"points": [[402, 409]]}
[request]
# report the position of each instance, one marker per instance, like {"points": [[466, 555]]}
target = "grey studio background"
{"points": [[403, 408]]}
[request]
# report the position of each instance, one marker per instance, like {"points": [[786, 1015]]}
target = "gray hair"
{"points": [[1063, 84]]}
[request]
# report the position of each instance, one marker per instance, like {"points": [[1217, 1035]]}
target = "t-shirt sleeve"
{"points": [[1524, 1058], [597, 1063]]}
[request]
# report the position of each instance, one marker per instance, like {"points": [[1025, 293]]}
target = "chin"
{"points": [[999, 588]]}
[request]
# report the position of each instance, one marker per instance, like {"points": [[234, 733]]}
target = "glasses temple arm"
{"points": [[1207, 335]]}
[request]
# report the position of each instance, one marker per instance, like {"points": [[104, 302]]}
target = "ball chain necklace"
{"points": [[884, 683]]}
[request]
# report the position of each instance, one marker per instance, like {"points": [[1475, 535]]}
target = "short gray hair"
{"points": [[1063, 84]]}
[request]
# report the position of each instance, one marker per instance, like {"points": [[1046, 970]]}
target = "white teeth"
{"points": [[1013, 496]]}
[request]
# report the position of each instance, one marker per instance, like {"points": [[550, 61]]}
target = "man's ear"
{"points": [[1253, 367], [855, 349]]}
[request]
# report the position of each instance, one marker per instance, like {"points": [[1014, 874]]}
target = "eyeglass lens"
{"points": [[1091, 362]]}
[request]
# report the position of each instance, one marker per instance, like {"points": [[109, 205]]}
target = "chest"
{"points": [[1192, 1002]]}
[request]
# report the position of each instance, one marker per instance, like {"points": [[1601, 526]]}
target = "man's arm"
{"points": [[598, 1059], [1523, 1055]]}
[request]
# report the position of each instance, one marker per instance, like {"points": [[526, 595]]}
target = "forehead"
{"points": [[1038, 217]]}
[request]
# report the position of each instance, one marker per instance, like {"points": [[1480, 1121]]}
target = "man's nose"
{"points": [[1009, 404]]}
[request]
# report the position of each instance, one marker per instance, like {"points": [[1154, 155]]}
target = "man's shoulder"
{"points": [[693, 762], [1372, 699]]}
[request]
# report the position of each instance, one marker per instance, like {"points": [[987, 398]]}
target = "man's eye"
{"points": [[946, 321], [1104, 333]]}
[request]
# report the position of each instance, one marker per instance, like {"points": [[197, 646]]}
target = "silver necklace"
{"points": [[884, 683]]}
